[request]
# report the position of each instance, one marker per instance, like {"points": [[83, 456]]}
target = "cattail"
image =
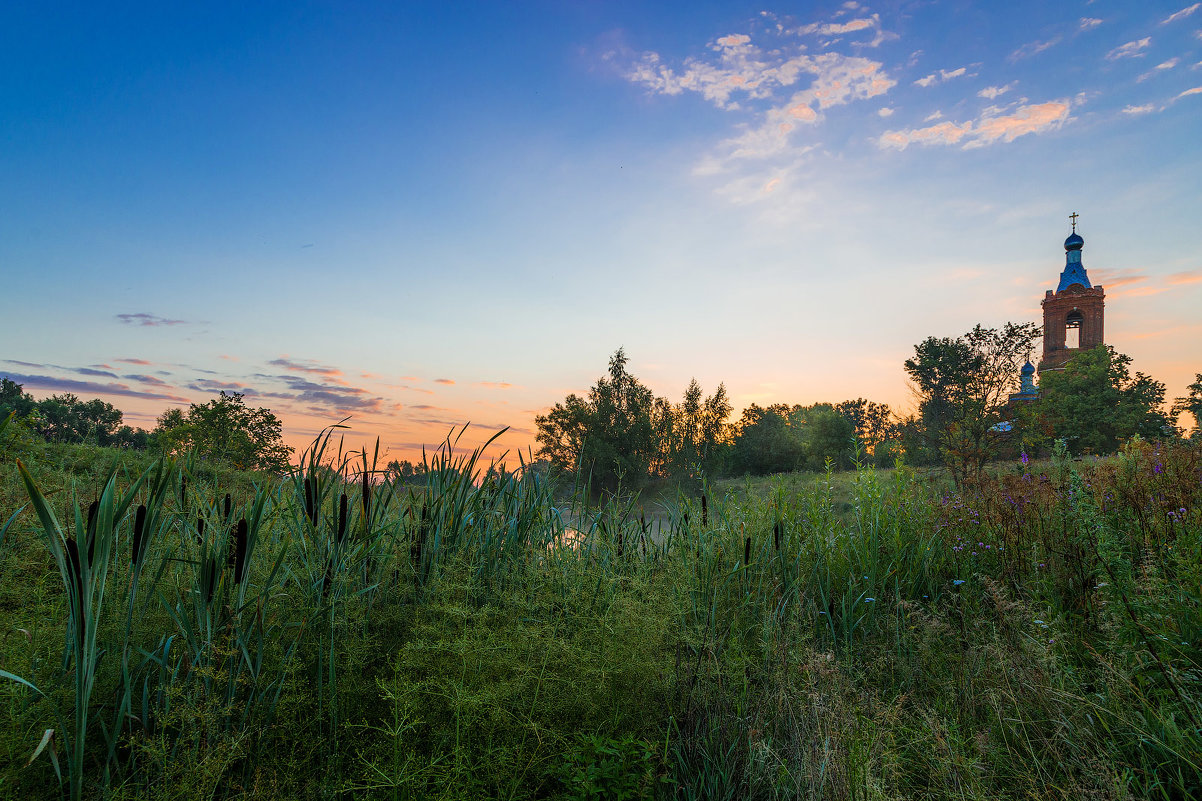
{"points": [[76, 570], [90, 531], [136, 554], [240, 540], [366, 502], [310, 501], [341, 518], [686, 519], [183, 492], [200, 531], [776, 535], [747, 551], [705, 512], [229, 505], [643, 522], [214, 574]]}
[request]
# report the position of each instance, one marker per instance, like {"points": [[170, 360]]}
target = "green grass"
{"points": [[842, 635]]}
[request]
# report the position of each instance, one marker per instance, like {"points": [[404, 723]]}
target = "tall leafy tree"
{"points": [[962, 385], [1095, 403], [1192, 403], [228, 430]]}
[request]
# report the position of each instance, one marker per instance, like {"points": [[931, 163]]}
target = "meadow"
{"points": [[180, 631]]}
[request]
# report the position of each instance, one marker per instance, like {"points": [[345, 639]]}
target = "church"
{"points": [[1072, 317]]}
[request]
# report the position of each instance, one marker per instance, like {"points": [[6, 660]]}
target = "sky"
{"points": [[420, 215]]}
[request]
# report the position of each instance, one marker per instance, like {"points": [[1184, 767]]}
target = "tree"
{"points": [[611, 434], [14, 400], [1095, 403], [405, 471], [765, 442], [874, 423], [824, 434], [226, 429], [1192, 403], [962, 385]]}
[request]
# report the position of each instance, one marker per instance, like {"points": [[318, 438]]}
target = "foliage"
{"points": [[67, 419], [1192, 403], [621, 433], [478, 635], [1094, 403], [962, 385], [226, 429]]}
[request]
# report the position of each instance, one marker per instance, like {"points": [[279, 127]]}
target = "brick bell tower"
{"points": [[1073, 311]]}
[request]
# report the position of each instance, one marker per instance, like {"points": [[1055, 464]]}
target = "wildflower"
{"points": [[957, 582], [869, 600], [1026, 459], [1158, 468], [1040, 622]]}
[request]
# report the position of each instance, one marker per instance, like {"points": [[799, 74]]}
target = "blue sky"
{"points": [[427, 213]]}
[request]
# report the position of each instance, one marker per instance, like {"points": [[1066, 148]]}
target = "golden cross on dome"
{"points": [[1074, 217]]}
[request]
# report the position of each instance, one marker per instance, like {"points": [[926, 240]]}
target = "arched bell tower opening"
{"points": [[1073, 314]]}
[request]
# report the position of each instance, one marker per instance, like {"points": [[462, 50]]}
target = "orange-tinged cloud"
{"points": [[1187, 277], [443, 381], [986, 130]]}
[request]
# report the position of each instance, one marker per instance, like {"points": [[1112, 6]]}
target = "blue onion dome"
{"points": [[1028, 368], [1074, 242]]}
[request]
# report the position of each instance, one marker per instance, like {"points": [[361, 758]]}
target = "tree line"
{"points": [[621, 434], [223, 429]]}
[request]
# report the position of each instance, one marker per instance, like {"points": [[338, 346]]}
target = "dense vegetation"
{"points": [[201, 633]]}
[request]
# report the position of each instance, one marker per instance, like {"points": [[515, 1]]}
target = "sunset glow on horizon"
{"points": [[428, 215]]}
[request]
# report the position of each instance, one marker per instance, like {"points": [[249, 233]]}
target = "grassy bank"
{"points": [[857, 636]]}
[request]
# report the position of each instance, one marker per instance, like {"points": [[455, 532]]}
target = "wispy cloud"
{"points": [[1161, 67], [940, 76], [1144, 109], [147, 379], [1032, 49], [1132, 49], [306, 366], [992, 126], [885, 112], [1182, 14], [1186, 277], [140, 362], [88, 388], [494, 384], [1088, 23], [1197, 90], [994, 92], [146, 319]]}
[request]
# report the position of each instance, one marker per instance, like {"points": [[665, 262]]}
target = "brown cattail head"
{"points": [[183, 492], [776, 535], [747, 551], [214, 575], [200, 531], [686, 519], [90, 531], [240, 542], [341, 518], [75, 568], [310, 501], [139, 548], [229, 506], [366, 501]]}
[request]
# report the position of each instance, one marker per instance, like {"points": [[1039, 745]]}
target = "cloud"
{"points": [[228, 358], [1115, 279], [494, 384], [306, 366], [446, 381], [1187, 277], [1182, 14], [1089, 22], [213, 385], [1161, 67], [987, 129], [1144, 109], [323, 398], [1032, 49], [91, 372], [141, 362], [940, 76], [1195, 91], [934, 115], [994, 92], [144, 319], [1130, 50], [147, 379], [88, 387], [884, 112]]}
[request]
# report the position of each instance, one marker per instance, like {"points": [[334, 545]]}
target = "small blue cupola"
{"points": [[1027, 378], [1074, 270]]}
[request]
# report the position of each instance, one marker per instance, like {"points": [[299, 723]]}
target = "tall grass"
{"points": [[485, 633]]}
